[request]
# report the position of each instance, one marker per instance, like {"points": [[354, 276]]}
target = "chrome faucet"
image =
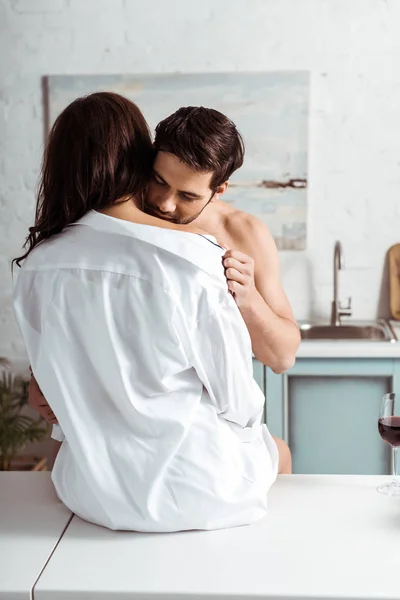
{"points": [[338, 310]]}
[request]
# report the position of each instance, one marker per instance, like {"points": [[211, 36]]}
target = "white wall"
{"points": [[351, 47]]}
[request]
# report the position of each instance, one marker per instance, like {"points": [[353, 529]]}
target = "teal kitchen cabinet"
{"points": [[259, 374], [327, 410]]}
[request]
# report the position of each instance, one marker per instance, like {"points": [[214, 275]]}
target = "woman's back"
{"points": [[107, 308]]}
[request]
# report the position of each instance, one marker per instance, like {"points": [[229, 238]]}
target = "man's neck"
{"points": [[214, 215]]}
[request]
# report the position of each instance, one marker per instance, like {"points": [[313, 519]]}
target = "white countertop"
{"points": [[331, 537], [32, 520], [351, 349], [340, 349]]}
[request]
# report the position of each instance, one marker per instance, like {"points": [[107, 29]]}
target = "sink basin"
{"points": [[372, 331]]}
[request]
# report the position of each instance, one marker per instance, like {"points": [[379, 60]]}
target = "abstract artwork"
{"points": [[270, 110]]}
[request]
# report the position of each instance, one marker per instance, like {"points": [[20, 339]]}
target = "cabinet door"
{"points": [[327, 410], [333, 425]]}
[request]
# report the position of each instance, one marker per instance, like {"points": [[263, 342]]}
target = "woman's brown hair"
{"points": [[99, 150]]}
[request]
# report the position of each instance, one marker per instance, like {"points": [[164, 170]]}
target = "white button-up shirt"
{"points": [[146, 362]]}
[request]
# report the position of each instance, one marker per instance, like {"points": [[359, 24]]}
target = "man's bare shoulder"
{"points": [[247, 229]]}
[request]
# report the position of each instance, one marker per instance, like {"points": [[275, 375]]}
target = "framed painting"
{"points": [[270, 110]]}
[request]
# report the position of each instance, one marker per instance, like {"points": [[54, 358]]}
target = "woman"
{"points": [[135, 341], [112, 131]]}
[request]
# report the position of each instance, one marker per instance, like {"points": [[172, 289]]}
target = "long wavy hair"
{"points": [[99, 151]]}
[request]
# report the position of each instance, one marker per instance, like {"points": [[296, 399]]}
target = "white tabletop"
{"points": [[32, 520], [325, 536]]}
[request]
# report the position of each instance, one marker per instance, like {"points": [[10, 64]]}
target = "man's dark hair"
{"points": [[99, 150], [204, 139]]}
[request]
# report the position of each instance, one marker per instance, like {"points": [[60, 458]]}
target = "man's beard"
{"points": [[150, 210]]}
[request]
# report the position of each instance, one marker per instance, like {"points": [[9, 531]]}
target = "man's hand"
{"points": [[254, 279], [239, 272], [38, 402]]}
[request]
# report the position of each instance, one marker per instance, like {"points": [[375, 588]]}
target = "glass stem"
{"points": [[396, 478]]}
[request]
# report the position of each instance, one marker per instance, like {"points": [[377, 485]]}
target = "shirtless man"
{"points": [[184, 188]]}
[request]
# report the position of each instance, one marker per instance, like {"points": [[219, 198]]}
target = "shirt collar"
{"points": [[203, 251]]}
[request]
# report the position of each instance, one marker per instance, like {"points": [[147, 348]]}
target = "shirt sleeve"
{"points": [[223, 360]]}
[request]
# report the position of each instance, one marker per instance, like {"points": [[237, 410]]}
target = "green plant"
{"points": [[16, 429]]}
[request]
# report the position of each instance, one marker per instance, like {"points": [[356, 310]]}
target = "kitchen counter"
{"points": [[331, 537], [325, 536], [32, 520], [351, 349]]}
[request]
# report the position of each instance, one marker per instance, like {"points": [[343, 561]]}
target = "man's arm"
{"points": [[254, 280]]}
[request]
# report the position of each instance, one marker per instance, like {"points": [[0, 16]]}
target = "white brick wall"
{"points": [[351, 47]]}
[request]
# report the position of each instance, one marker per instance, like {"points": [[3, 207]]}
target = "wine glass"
{"points": [[389, 429]]}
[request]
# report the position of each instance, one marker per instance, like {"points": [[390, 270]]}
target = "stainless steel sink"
{"points": [[372, 331], [369, 331]]}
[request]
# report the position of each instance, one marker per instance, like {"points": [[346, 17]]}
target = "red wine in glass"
{"points": [[389, 429]]}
